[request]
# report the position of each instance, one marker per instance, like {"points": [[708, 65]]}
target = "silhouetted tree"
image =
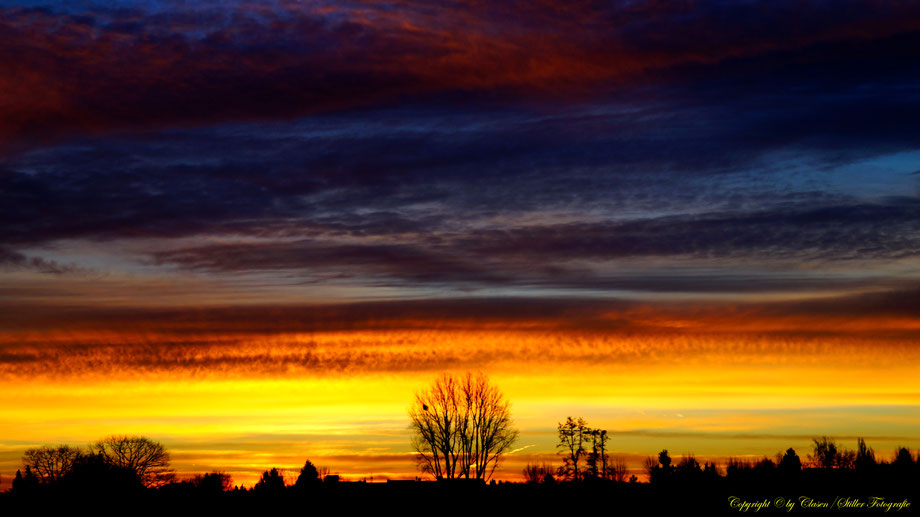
{"points": [[846, 458], [27, 484], [688, 471], [903, 457], [737, 468], [96, 474], [903, 461], [828, 455], [790, 462], [710, 470], [688, 467], [271, 481], [825, 453], [434, 420], [461, 427], [212, 482], [865, 456], [764, 468], [597, 461], [765, 465], [605, 466], [573, 433], [308, 478], [660, 471], [536, 474], [619, 470], [51, 463], [142, 456], [664, 459], [650, 465], [592, 469]]}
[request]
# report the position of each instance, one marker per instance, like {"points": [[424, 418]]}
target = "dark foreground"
{"points": [[818, 492]]}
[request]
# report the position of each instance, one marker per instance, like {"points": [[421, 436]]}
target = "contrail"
{"points": [[521, 449]]}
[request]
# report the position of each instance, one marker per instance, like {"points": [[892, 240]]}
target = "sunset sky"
{"points": [[252, 230]]}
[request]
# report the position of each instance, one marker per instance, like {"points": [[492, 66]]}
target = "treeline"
{"points": [[123, 464], [585, 460], [133, 465], [127, 465], [828, 464]]}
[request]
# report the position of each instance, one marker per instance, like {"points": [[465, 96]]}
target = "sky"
{"points": [[254, 230]]}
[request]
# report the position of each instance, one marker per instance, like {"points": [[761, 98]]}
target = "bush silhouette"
{"points": [[271, 482], [308, 478]]}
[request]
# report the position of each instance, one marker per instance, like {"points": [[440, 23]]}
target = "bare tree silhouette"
{"points": [[828, 455], [50, 464], [824, 454], [536, 474], [619, 470], [461, 427], [144, 457]]}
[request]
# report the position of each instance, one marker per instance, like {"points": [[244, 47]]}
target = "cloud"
{"points": [[140, 357], [723, 435], [419, 148], [429, 335], [108, 69], [407, 262], [14, 260], [209, 324], [579, 255], [858, 231]]}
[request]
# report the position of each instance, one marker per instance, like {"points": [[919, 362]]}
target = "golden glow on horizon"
{"points": [[265, 400]]}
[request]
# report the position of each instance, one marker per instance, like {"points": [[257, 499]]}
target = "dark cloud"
{"points": [[902, 301], [403, 314], [867, 310], [859, 231], [465, 146], [345, 174], [15, 260], [405, 262], [132, 68], [574, 255]]}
